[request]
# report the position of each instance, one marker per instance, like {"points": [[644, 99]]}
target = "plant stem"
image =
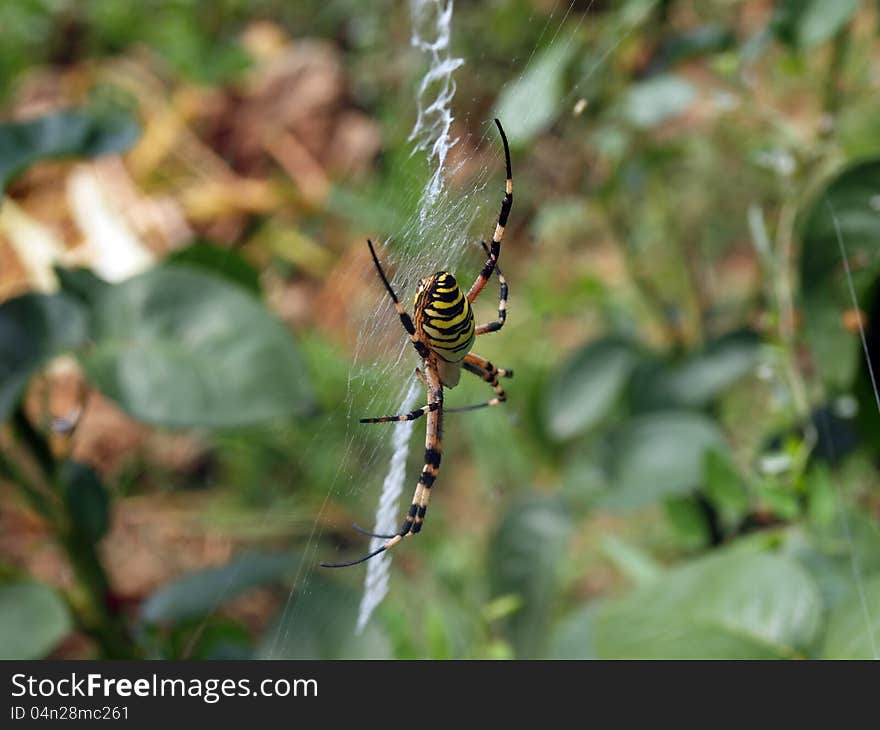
{"points": [[833, 94], [89, 600], [36, 445], [93, 612]]}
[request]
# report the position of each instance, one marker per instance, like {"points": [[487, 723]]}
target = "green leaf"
{"points": [[656, 100], [852, 538], [80, 283], [779, 497], [731, 605], [850, 199], [224, 262], [88, 502], [807, 23], [833, 348], [319, 623], [530, 104], [688, 521], [178, 347], [75, 133], [861, 536], [33, 619], [854, 624], [703, 40], [572, 637], [214, 638], [699, 378], [202, 592], [33, 329], [524, 558], [725, 488], [587, 386], [821, 500], [658, 454]]}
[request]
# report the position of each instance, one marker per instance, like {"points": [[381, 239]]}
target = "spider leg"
{"points": [[411, 416], [415, 517], [502, 303], [489, 373], [433, 450], [405, 319], [355, 562], [481, 362], [371, 534], [495, 250]]}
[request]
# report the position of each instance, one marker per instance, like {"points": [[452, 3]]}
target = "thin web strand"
{"points": [[854, 561]]}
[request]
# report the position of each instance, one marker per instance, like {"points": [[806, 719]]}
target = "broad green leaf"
{"points": [[530, 104], [658, 454], [73, 133], [688, 520], [700, 377], [833, 548], [855, 529], [81, 284], [807, 23], [524, 558], [202, 592], [224, 262], [656, 100], [851, 204], [732, 605], [822, 501], [572, 637], [587, 386], [33, 619], [178, 347], [779, 498], [834, 349], [832, 574], [88, 503], [33, 329], [854, 624], [319, 623], [821, 20], [725, 488]]}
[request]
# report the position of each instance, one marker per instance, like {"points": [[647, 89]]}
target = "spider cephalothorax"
{"points": [[442, 332]]}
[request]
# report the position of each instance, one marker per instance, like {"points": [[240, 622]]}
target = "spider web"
{"points": [[444, 233], [443, 229], [431, 33], [438, 236]]}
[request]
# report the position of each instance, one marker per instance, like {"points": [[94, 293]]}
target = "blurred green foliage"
{"points": [[686, 464]]}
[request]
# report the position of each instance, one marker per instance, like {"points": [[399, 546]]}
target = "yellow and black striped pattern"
{"points": [[443, 317]]}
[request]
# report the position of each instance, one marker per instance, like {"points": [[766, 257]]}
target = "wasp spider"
{"points": [[442, 331]]}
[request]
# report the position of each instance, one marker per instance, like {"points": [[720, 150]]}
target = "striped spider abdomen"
{"points": [[444, 320]]}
